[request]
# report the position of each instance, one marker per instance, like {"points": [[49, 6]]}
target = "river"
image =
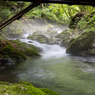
{"points": [[56, 70]]}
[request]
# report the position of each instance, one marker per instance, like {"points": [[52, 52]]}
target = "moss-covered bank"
{"points": [[23, 88], [16, 50]]}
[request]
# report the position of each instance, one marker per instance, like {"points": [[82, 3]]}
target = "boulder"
{"points": [[65, 42], [6, 61], [82, 43], [50, 33], [91, 52], [49, 27], [63, 34], [41, 38]]}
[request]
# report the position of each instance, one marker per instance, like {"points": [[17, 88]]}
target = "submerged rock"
{"points": [[82, 43]]}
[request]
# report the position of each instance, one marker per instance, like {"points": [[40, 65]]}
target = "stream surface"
{"points": [[56, 70]]}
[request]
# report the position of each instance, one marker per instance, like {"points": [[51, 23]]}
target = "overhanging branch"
{"points": [[20, 14]]}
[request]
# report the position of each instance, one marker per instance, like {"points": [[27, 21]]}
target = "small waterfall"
{"points": [[48, 51]]}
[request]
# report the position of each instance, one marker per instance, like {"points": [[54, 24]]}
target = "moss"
{"points": [[2, 44], [18, 54], [65, 42], [4, 83], [23, 45], [64, 34], [31, 52], [7, 50], [12, 52], [82, 43], [23, 88], [24, 82], [1, 56], [6, 56], [39, 37], [49, 92]]}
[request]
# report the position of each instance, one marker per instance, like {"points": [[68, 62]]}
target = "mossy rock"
{"points": [[65, 42], [51, 33], [6, 56], [39, 37], [23, 88], [64, 34], [12, 52], [12, 32], [82, 43], [91, 52], [49, 27], [31, 52], [24, 46]]}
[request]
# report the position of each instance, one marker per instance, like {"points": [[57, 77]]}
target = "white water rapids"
{"points": [[48, 51]]}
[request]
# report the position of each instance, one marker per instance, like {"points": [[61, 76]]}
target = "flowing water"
{"points": [[56, 70]]}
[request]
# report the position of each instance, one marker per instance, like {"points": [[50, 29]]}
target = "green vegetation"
{"points": [[31, 52], [17, 50], [60, 13], [24, 46], [23, 88], [10, 51]]}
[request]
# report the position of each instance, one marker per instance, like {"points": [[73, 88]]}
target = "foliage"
{"points": [[60, 13], [10, 8], [87, 21]]}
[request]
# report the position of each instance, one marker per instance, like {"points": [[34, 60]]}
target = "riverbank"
{"points": [[23, 88]]}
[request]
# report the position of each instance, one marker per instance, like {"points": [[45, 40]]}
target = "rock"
{"points": [[91, 52], [82, 43], [32, 53], [63, 34], [65, 42], [49, 27], [50, 33], [30, 41], [41, 38], [6, 61]]}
